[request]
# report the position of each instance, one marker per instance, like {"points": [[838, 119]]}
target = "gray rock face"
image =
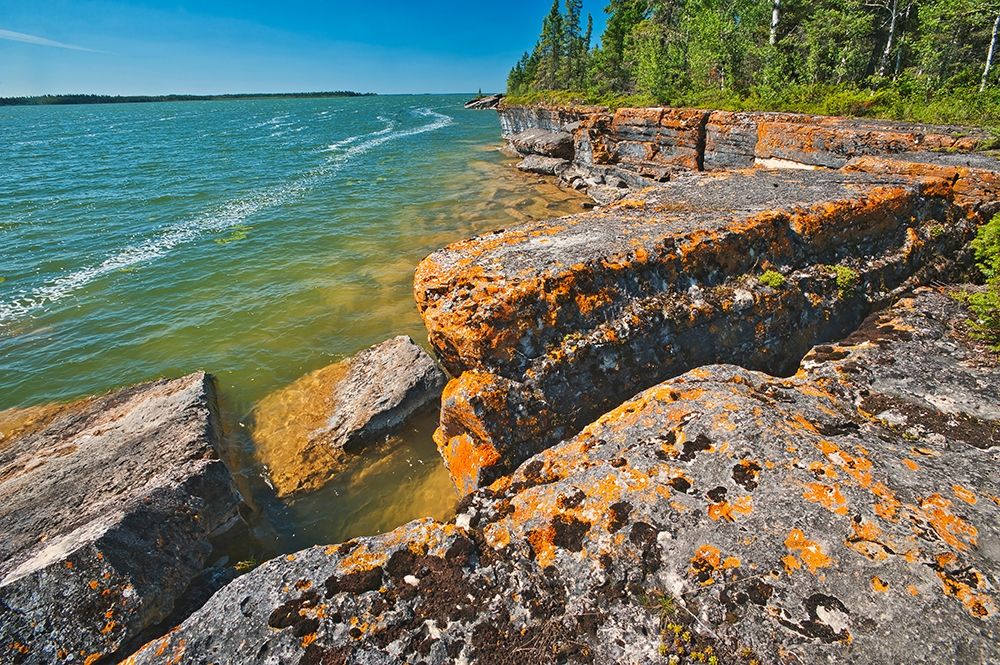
{"points": [[543, 142], [307, 431], [543, 165], [107, 506], [847, 514]]}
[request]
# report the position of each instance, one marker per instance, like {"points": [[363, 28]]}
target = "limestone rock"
{"points": [[723, 513], [582, 312], [308, 430], [543, 165], [107, 506], [543, 142]]}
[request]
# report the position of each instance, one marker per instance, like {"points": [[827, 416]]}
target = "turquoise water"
{"points": [[257, 240]]}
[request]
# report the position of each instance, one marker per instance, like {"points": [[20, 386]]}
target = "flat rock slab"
{"points": [[307, 431], [849, 513], [106, 506], [543, 142], [549, 324]]}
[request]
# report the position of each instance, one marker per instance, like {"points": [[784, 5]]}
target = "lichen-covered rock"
{"points": [[544, 143], [976, 178], [310, 429], [638, 138], [543, 165], [582, 312], [107, 507], [849, 513]]}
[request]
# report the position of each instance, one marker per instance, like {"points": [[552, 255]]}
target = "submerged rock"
{"points": [[543, 165], [567, 318], [107, 507], [724, 513], [308, 430]]}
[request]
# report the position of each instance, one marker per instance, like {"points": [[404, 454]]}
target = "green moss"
{"points": [[936, 231], [772, 278], [847, 279]]}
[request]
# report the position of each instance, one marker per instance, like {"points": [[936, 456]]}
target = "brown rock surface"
{"points": [[107, 507], [310, 429]]}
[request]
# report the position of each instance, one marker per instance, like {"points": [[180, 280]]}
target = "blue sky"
{"points": [[218, 46]]}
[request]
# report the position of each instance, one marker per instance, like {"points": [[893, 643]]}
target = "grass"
{"points": [[905, 100]]}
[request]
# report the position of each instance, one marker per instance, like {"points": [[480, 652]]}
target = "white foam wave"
{"points": [[224, 217]]}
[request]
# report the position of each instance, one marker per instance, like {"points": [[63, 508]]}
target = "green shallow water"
{"points": [[257, 240]]}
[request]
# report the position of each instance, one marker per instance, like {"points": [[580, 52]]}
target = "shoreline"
{"points": [[608, 456]]}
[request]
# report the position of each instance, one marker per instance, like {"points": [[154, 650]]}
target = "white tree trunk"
{"points": [[775, 20], [990, 55], [890, 42]]}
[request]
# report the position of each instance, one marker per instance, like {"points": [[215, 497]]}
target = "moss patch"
{"points": [[772, 278]]}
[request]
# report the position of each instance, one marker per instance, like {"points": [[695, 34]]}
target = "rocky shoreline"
{"points": [[730, 415]]}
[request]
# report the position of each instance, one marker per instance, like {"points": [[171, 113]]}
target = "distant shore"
{"points": [[49, 100]]}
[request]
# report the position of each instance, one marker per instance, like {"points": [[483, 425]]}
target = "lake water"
{"points": [[257, 240]]}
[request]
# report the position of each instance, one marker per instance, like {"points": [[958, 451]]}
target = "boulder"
{"points": [[308, 430], [543, 142], [543, 165], [848, 513], [108, 507], [577, 314]]}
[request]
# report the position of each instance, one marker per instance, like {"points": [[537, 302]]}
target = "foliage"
{"points": [[986, 247], [985, 304], [919, 60], [772, 278]]}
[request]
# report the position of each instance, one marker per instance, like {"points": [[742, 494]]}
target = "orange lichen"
{"points": [[809, 552], [728, 511], [92, 658], [949, 527], [879, 584], [308, 639], [964, 494], [864, 539], [911, 465], [828, 496], [542, 542]]}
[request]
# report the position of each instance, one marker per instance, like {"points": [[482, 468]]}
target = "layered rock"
{"points": [[544, 143], [108, 507], [307, 431], [549, 324], [848, 513], [656, 142]]}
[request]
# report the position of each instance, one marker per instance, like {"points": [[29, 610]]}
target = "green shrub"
{"points": [[986, 247], [772, 278], [986, 304]]}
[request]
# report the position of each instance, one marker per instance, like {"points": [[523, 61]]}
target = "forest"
{"points": [[925, 60]]}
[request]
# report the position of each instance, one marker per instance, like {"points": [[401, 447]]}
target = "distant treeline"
{"points": [[142, 99]]}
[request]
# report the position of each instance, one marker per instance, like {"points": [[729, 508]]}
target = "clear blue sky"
{"points": [[217, 46]]}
